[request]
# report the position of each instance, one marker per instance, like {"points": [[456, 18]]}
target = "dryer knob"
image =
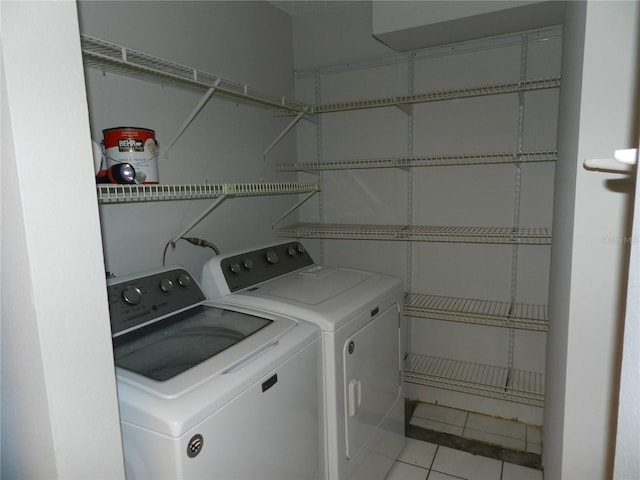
{"points": [[235, 267], [272, 257], [247, 263], [292, 251]]}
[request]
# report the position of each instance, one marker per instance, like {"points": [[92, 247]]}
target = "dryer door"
{"points": [[372, 375]]}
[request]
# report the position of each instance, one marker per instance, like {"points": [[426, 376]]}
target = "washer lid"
{"points": [[166, 348], [174, 406]]}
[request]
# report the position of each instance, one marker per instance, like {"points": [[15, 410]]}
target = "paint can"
{"points": [[135, 146]]}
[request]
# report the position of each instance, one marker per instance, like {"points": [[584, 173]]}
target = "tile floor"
{"points": [[474, 426], [427, 461], [423, 460]]}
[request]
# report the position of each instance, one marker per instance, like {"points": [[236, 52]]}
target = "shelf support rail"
{"points": [[295, 206], [193, 115], [285, 131]]}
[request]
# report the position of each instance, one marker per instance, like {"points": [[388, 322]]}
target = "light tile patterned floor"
{"points": [[426, 461], [506, 433]]}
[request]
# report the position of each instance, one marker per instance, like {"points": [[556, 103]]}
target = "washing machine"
{"points": [[210, 390], [359, 313]]}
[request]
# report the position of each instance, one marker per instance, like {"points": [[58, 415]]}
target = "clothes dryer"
{"points": [[359, 313]]}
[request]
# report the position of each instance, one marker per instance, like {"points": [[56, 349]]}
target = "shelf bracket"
{"points": [[193, 115], [294, 207], [406, 108], [312, 172], [285, 131], [199, 218], [311, 118]]}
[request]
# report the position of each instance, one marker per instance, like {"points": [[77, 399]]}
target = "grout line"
{"points": [[433, 460], [464, 427]]}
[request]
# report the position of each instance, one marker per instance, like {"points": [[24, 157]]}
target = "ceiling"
{"points": [[303, 7]]}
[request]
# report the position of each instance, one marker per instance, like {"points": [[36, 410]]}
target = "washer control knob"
{"points": [[300, 248], [132, 295], [184, 280], [272, 257], [235, 267], [292, 251], [166, 285], [247, 263]]}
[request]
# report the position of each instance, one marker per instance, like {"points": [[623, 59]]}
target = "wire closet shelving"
{"points": [[500, 382], [109, 57], [504, 383], [424, 161], [522, 316], [154, 193], [420, 233], [492, 381]]}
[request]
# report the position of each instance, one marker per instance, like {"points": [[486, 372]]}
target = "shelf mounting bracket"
{"points": [[193, 115], [294, 207], [285, 131], [199, 218], [405, 108]]}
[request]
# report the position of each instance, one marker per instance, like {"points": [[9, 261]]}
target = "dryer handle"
{"points": [[355, 396], [247, 360]]}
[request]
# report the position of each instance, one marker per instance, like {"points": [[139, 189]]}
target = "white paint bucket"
{"points": [[136, 146]]}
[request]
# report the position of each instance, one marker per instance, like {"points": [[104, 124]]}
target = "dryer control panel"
{"points": [[250, 268]]}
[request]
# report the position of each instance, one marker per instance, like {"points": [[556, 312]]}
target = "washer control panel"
{"points": [[137, 300], [250, 268]]}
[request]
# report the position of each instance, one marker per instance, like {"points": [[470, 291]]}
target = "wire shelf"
{"points": [[494, 235], [287, 188], [515, 87], [428, 161], [152, 193], [481, 312], [112, 58], [487, 380]]}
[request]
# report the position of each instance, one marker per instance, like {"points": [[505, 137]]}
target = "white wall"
{"points": [[591, 237], [59, 409], [248, 42], [335, 35]]}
